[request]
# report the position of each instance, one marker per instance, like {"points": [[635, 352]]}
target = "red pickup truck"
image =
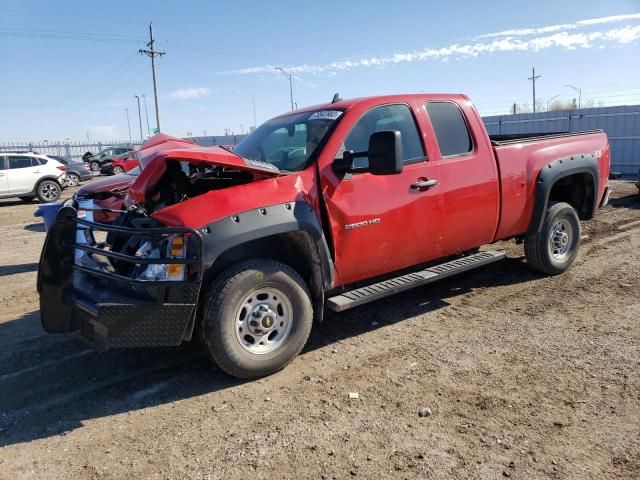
{"points": [[330, 206]]}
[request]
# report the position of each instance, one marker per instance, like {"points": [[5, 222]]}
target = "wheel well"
{"points": [[578, 190], [295, 249]]}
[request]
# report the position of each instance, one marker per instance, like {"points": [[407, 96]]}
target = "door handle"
{"points": [[424, 184]]}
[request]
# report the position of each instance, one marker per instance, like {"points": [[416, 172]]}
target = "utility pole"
{"points": [[146, 113], [128, 123], [139, 118], [533, 78], [152, 54], [289, 77]]}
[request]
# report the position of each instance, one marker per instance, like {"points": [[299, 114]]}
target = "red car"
{"points": [[121, 163], [332, 206]]}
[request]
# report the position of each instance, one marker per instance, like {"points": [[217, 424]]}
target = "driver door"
{"points": [[384, 223]]}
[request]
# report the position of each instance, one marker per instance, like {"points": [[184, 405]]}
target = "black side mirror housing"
{"points": [[385, 153]]}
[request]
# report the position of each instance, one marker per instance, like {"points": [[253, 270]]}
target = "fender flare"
{"points": [[234, 230], [556, 170]]}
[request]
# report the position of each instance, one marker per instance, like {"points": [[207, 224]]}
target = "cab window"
{"points": [[387, 117], [450, 128]]}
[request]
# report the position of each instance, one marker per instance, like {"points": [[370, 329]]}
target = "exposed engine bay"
{"points": [[183, 180]]}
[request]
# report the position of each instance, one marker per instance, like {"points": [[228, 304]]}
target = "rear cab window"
{"points": [[451, 129]]}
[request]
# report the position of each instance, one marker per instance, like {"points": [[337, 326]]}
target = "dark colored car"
{"points": [[76, 172], [100, 158]]}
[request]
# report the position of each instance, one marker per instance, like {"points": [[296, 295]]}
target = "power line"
{"points": [[114, 75]]}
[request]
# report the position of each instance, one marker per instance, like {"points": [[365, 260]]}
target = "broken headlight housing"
{"points": [[171, 247]]}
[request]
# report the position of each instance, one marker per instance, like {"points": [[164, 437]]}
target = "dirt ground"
{"points": [[525, 377]]}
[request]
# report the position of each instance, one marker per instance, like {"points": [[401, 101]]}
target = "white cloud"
{"points": [[520, 32], [497, 42], [189, 93]]}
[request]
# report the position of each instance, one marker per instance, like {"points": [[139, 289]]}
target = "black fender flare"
{"points": [[554, 171], [240, 228]]}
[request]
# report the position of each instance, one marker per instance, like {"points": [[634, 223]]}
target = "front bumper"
{"points": [[105, 308]]}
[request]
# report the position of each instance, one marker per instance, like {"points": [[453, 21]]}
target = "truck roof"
{"points": [[347, 104]]}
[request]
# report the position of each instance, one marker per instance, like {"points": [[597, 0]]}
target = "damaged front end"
{"points": [[134, 283]]}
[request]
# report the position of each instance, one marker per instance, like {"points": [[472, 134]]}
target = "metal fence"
{"points": [[76, 150], [622, 125]]}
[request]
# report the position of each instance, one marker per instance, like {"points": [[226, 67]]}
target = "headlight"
{"points": [[173, 247]]}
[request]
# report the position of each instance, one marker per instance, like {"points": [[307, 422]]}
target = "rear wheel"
{"points": [[94, 166], [72, 180], [554, 247], [48, 191], [117, 170], [256, 318]]}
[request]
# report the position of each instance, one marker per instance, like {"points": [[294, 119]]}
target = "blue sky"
{"points": [[221, 55]]}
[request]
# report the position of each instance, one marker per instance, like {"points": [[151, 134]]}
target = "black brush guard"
{"points": [[108, 309]]}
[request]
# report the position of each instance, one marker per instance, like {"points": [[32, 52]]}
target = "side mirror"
{"points": [[385, 153]]}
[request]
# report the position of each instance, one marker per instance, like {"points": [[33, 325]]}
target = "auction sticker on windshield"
{"points": [[326, 115]]}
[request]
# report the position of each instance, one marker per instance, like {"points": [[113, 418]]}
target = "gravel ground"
{"points": [[499, 373]]}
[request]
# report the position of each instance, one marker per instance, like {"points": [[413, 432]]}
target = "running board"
{"points": [[379, 290]]}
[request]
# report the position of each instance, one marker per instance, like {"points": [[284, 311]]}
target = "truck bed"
{"points": [[520, 159]]}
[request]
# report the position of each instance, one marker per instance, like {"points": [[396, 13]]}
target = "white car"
{"points": [[27, 175]]}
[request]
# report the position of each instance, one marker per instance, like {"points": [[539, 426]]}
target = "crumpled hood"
{"points": [[154, 157]]}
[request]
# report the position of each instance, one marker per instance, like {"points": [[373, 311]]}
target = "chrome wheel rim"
{"points": [[49, 191], [118, 170], [263, 321], [94, 167], [560, 240], [72, 180]]}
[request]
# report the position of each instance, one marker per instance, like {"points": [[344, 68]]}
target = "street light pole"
{"points": [[289, 77], [579, 90], [146, 113], [139, 117], [128, 123], [550, 100]]}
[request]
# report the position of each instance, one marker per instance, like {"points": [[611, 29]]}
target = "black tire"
{"points": [[117, 170], [223, 307], [27, 199], [73, 180], [554, 257], [48, 191], [94, 166]]}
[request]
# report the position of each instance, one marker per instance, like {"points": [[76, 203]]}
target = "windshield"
{"points": [[288, 142]]}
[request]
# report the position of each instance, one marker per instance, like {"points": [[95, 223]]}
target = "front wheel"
{"points": [[256, 318], [117, 170], [94, 166], [554, 247]]}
